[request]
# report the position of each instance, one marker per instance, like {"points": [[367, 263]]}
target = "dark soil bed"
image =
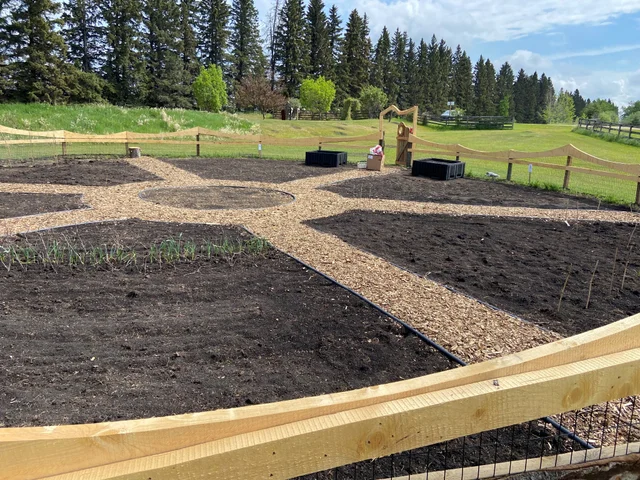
{"points": [[78, 172], [403, 186], [215, 198], [519, 265], [20, 204], [87, 345], [251, 169]]}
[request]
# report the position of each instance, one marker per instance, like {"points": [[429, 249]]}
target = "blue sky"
{"points": [[589, 44]]}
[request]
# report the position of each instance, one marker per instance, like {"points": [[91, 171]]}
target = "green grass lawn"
{"points": [[110, 119]]}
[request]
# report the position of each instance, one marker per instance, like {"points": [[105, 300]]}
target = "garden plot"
{"points": [[402, 186], [20, 204], [77, 172], [129, 330], [252, 170], [520, 265]]}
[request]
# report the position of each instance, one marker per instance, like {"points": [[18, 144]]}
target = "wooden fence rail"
{"points": [[620, 171], [287, 439], [618, 129], [470, 122]]}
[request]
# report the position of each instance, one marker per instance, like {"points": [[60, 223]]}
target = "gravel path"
{"points": [[467, 328]]}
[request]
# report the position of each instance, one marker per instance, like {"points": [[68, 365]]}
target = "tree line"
{"points": [[150, 52]]}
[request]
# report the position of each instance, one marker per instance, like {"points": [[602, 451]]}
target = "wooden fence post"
{"points": [[630, 130], [126, 149], [567, 174], [638, 192], [198, 145], [64, 148], [381, 141], [509, 171]]}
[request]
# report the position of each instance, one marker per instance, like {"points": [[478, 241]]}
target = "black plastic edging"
{"points": [[584, 444]]}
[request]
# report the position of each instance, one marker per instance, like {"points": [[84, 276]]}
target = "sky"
{"points": [[591, 45]]}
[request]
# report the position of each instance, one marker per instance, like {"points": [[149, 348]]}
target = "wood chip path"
{"points": [[467, 328]]}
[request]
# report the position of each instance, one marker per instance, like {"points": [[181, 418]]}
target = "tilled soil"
{"points": [[517, 264], [402, 186], [20, 204], [216, 197], [251, 169], [77, 172], [87, 345]]}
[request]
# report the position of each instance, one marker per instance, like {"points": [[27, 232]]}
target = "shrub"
{"points": [[349, 106], [209, 89], [317, 95], [373, 100]]}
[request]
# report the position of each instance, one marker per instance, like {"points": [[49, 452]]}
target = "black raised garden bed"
{"points": [[438, 168], [326, 158]]}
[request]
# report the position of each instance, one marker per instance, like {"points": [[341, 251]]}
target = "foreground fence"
{"points": [[319, 434], [618, 129]]}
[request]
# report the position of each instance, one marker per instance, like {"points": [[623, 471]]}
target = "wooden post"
{"points": [[198, 145], [630, 130], [567, 174], [619, 129], [509, 171], [381, 141], [638, 192], [126, 149], [64, 148]]}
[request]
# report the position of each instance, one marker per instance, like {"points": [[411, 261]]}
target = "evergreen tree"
{"points": [[38, 50], [381, 62], [189, 43], [520, 96], [462, 81], [213, 32], [398, 55], [123, 67], [546, 98], [272, 28], [411, 85], [334, 32], [247, 57], [491, 102], [531, 105], [422, 73], [83, 34], [438, 73], [317, 34], [578, 102], [479, 85], [5, 76], [353, 69], [504, 88], [165, 86], [444, 76], [290, 48]]}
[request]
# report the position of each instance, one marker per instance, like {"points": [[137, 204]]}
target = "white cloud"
{"points": [[528, 60], [596, 52]]}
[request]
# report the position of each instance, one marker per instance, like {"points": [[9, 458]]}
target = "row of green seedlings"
{"points": [[168, 251]]}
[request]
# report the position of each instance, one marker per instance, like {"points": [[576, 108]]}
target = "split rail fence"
{"points": [[470, 122], [618, 129], [311, 435]]}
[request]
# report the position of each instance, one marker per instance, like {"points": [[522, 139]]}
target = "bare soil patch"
{"points": [[403, 186], [216, 198], [517, 264], [87, 344], [21, 204], [78, 172], [251, 169]]}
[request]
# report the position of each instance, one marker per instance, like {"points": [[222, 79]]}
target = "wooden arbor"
{"points": [[403, 154], [287, 439]]}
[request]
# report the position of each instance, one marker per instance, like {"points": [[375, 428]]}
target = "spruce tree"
{"points": [[432, 93], [479, 83], [213, 31], [272, 28], [165, 85], [422, 73], [443, 81], [317, 35], [504, 87], [39, 71], [491, 101], [398, 55], [411, 85], [5, 76], [247, 57], [546, 98], [381, 62], [334, 27], [533, 91], [290, 48], [578, 102], [84, 34], [123, 67], [353, 70], [520, 89], [188, 41]]}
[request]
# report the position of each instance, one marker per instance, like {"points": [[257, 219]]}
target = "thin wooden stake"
{"points": [[591, 283], [613, 272], [624, 275], [631, 236], [566, 281]]}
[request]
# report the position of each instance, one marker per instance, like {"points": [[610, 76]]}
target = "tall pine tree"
{"points": [[317, 34], [188, 41], [166, 84], [84, 34], [411, 84], [423, 72], [462, 81], [504, 89], [213, 31], [381, 62], [290, 48], [353, 70], [334, 27], [247, 57], [123, 67], [398, 56]]}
